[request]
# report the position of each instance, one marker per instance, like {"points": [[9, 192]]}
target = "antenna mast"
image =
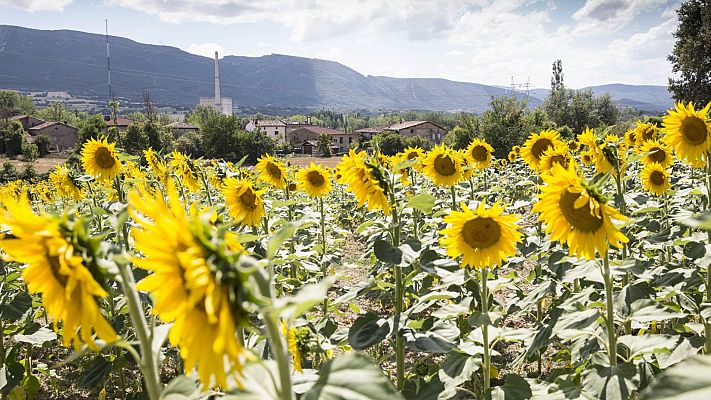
{"points": [[108, 60]]}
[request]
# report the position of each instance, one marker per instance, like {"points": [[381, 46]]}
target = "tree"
{"points": [[190, 144], [15, 138], [323, 143], [8, 172], [557, 78], [30, 152], [43, 145], [503, 124], [91, 128], [691, 54], [153, 135], [389, 143], [13, 103], [135, 140]]}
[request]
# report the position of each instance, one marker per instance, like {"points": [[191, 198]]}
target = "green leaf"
{"points": [[580, 320], [42, 336], [180, 388], [368, 330], [15, 309], [292, 307], [97, 370], [32, 386], [427, 342], [10, 376], [646, 310], [611, 383], [423, 202], [648, 344], [387, 253], [352, 376], [515, 388], [688, 380], [282, 235], [458, 368], [683, 351], [160, 333]]}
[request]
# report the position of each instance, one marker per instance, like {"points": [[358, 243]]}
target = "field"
{"points": [[42, 165], [570, 268]]}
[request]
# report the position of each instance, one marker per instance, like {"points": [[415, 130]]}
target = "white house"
{"points": [[273, 128]]}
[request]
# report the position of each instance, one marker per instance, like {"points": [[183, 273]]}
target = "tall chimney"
{"points": [[218, 99]]}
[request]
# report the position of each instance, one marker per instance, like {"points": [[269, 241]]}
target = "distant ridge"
{"points": [[64, 60]]}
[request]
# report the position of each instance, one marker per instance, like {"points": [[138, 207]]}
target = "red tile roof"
{"points": [[119, 122], [48, 124], [270, 122], [322, 131]]}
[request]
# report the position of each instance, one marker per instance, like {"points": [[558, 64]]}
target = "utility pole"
{"points": [[108, 60]]}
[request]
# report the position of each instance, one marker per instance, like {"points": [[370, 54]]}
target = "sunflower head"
{"points": [[66, 183], [271, 171], [315, 180], [186, 170], [536, 145], [688, 131], [100, 160], [511, 156], [503, 162], [631, 138], [478, 154], [644, 132], [245, 204], [655, 179], [588, 157], [367, 180], [483, 237], [516, 150], [444, 166], [656, 151], [573, 145], [558, 154], [575, 213], [588, 138]]}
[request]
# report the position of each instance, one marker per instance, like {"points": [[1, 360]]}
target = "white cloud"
{"points": [[37, 5], [207, 49], [606, 16], [316, 19], [455, 53]]}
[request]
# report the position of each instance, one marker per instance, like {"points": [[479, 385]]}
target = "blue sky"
{"points": [[483, 41]]}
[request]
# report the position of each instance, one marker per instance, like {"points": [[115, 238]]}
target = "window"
{"points": [[350, 139], [412, 130], [340, 139]]}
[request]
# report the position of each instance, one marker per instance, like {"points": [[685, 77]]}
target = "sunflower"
{"points": [[55, 269], [516, 150], [536, 145], [577, 215], [292, 344], [100, 160], [631, 138], [176, 249], [156, 164], [588, 138], [271, 171], [443, 165], [603, 163], [512, 156], [315, 180], [558, 154], [688, 131], [244, 203], [644, 132], [655, 178], [656, 152], [573, 145], [484, 237], [185, 169], [365, 180], [503, 162], [64, 183], [479, 153], [412, 153]]}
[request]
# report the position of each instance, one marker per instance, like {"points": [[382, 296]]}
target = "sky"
{"points": [[492, 42]]}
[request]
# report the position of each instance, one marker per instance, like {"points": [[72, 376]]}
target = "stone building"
{"points": [[431, 131], [27, 121], [61, 136], [181, 128], [275, 129], [340, 141]]}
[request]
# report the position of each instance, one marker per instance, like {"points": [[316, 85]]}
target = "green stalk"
{"points": [[280, 354], [324, 270], [2, 344], [148, 361], [290, 210], [485, 330], [399, 294], [707, 324], [454, 198], [610, 320], [207, 188]]}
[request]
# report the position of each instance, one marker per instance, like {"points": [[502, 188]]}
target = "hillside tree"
{"points": [[13, 103], [691, 56]]}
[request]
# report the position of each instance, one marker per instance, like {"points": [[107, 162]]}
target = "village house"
{"points": [[121, 123], [27, 121], [368, 133], [340, 141], [61, 136], [275, 129], [181, 128], [433, 132]]}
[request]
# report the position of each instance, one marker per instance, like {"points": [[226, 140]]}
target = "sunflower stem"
{"points": [[707, 324], [454, 197], [207, 188], [610, 320], [485, 329], [399, 293], [290, 211], [324, 269], [280, 354]]}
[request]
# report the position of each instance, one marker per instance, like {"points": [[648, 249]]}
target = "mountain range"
{"points": [[72, 61]]}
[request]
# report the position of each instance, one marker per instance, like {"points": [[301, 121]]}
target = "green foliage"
{"points": [[323, 143], [201, 116], [389, 143], [91, 128], [15, 138], [135, 139], [43, 145], [508, 122], [190, 144], [57, 111], [13, 103], [30, 152], [29, 173], [691, 54], [460, 137], [9, 172], [154, 135]]}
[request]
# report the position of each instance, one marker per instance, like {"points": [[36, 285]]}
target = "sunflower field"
{"points": [[573, 269]]}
